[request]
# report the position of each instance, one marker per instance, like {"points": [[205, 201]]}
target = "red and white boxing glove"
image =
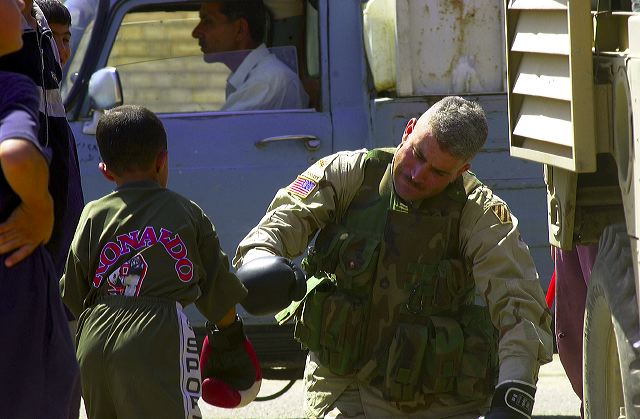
{"points": [[231, 374]]}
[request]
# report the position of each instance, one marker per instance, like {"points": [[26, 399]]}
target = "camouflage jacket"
{"points": [[489, 243]]}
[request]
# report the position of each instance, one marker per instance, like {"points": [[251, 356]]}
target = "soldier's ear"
{"points": [[463, 169], [409, 129], [102, 166]]}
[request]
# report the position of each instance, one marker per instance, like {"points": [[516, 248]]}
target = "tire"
{"points": [[611, 383]]}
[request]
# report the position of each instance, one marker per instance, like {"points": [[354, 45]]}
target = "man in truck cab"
{"points": [[232, 32], [422, 300]]}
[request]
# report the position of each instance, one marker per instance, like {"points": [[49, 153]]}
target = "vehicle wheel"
{"points": [[611, 378]]}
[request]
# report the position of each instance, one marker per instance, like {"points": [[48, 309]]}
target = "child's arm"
{"points": [[220, 288], [31, 223], [227, 319], [74, 285], [231, 374], [76, 280]]}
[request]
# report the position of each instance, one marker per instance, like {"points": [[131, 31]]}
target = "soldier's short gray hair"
{"points": [[459, 126]]}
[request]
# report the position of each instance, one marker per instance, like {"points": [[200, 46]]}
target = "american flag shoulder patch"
{"points": [[302, 187]]}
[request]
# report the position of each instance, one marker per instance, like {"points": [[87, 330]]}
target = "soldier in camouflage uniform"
{"points": [[422, 299]]}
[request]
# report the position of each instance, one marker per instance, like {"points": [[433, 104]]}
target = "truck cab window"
{"points": [[193, 60], [161, 67]]}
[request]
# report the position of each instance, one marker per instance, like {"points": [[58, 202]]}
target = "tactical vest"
{"points": [[390, 298]]}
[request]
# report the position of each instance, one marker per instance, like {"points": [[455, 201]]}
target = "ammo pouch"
{"points": [[351, 257], [478, 373], [444, 287], [446, 355], [309, 324], [332, 325], [333, 322]]}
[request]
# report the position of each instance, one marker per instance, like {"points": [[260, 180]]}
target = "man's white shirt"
{"points": [[262, 81]]}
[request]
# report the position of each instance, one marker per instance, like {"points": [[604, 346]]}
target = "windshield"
{"points": [[83, 15]]}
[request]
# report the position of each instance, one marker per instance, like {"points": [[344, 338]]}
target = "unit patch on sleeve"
{"points": [[316, 171], [502, 212], [302, 186]]}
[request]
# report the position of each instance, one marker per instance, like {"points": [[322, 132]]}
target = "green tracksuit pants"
{"points": [[138, 359]]}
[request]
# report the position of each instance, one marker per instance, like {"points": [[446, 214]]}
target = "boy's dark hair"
{"points": [[55, 12], [129, 138], [254, 11]]}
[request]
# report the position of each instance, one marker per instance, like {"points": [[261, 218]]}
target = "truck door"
{"points": [[230, 163]]}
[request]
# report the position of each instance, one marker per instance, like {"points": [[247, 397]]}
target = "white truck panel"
{"points": [[449, 47]]}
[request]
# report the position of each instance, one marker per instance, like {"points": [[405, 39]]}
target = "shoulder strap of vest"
{"points": [[377, 161], [461, 188], [381, 155], [470, 182]]}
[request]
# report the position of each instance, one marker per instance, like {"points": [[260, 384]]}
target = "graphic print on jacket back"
{"points": [[127, 279], [134, 269]]}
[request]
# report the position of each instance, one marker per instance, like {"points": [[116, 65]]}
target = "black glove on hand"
{"points": [[231, 374], [273, 283], [512, 400]]}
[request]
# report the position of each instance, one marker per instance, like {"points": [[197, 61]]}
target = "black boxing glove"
{"points": [[512, 400], [272, 282], [231, 374]]}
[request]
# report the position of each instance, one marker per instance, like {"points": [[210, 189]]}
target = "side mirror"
{"points": [[105, 89], [105, 92]]}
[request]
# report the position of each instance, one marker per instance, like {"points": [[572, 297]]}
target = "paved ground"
{"points": [[554, 399]]}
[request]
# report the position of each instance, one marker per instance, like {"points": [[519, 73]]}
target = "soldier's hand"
{"points": [[231, 374], [512, 400], [272, 282]]}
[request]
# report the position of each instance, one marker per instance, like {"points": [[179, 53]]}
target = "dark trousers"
{"points": [[39, 374], [573, 272]]}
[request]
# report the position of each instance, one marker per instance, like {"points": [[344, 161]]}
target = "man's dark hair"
{"points": [[129, 138], [55, 12], [254, 11], [459, 126]]}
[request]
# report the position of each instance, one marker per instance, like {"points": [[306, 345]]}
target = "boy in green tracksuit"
{"points": [[140, 254]]}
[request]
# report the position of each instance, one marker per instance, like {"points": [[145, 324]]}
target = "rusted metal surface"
{"points": [[450, 47]]}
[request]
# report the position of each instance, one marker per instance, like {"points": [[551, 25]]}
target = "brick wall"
{"points": [[161, 65]]}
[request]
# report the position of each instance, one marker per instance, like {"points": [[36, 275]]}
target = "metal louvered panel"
{"points": [[543, 75], [541, 31], [550, 82], [544, 120]]}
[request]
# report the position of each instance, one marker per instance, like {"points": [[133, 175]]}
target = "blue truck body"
{"points": [[217, 160]]}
